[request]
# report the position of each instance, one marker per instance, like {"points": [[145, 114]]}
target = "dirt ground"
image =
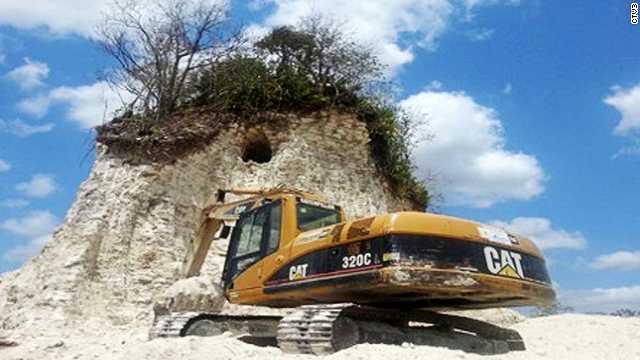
{"points": [[566, 336]]}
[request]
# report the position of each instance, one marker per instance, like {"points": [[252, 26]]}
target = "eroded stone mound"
{"points": [[124, 239]]}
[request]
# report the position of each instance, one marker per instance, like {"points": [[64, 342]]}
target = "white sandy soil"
{"points": [[566, 336]]}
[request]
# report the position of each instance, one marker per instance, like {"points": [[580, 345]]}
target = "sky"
{"points": [[527, 117]]}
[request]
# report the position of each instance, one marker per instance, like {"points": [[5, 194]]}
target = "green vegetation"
{"points": [[312, 67], [625, 312], [390, 132]]}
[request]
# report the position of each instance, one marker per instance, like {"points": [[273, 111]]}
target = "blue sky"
{"points": [[533, 108]]}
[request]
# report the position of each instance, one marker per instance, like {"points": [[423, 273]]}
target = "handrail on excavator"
{"points": [[281, 188]]}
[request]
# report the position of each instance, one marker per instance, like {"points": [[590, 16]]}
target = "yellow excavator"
{"points": [[292, 249]]}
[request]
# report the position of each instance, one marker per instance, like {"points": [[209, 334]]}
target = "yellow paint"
{"points": [[507, 270]]}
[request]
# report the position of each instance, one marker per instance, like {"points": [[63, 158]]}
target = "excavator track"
{"points": [[171, 325], [208, 324], [325, 329], [314, 329]]}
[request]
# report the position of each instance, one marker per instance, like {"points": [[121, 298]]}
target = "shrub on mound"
{"points": [[313, 67]]}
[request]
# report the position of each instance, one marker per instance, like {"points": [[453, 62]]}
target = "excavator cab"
{"points": [[258, 233]]}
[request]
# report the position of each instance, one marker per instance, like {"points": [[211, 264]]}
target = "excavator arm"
{"points": [[215, 215]]}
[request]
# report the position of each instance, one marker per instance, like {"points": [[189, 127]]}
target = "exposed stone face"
{"points": [[124, 239]]}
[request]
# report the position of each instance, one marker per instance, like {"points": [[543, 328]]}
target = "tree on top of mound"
{"points": [[179, 57], [157, 45], [337, 67]]}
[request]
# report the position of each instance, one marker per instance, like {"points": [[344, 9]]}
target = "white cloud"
{"points": [[34, 224], [14, 203], [476, 3], [37, 226], [4, 166], [386, 25], [602, 300], [35, 106], [3, 53], [60, 17], [433, 85], [541, 232], [627, 102], [633, 150], [25, 252], [621, 260], [87, 105], [22, 129], [29, 76], [5, 44], [40, 185], [470, 5], [507, 89], [480, 34], [467, 152]]}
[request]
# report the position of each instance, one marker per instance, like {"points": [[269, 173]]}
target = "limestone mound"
{"points": [[122, 243]]}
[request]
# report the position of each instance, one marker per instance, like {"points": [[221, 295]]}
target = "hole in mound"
{"points": [[257, 148]]}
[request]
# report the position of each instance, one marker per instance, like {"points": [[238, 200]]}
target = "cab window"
{"points": [[313, 217], [275, 220], [251, 231], [256, 235]]}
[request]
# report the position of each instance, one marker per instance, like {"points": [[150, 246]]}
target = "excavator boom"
{"points": [[212, 220], [218, 214]]}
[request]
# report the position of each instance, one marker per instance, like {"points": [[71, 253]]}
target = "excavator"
{"points": [[354, 281]]}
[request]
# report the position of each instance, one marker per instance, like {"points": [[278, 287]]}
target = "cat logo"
{"points": [[503, 262], [297, 272]]}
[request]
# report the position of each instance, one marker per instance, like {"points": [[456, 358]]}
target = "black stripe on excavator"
{"points": [[344, 262], [447, 253], [331, 261], [360, 277]]}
